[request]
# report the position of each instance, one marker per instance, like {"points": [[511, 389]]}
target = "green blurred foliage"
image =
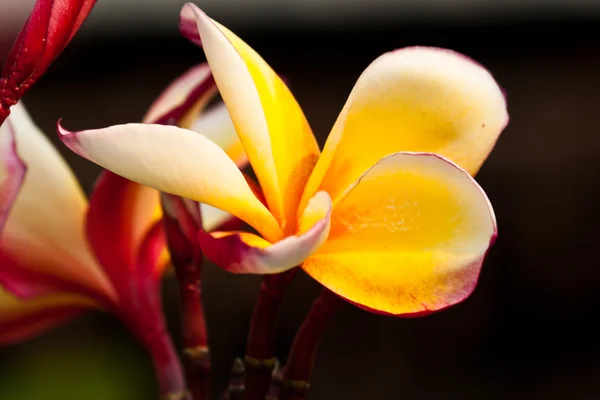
{"points": [[90, 358]]}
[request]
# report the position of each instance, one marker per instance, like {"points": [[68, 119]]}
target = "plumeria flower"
{"points": [[50, 27], [59, 255], [388, 216], [107, 255]]}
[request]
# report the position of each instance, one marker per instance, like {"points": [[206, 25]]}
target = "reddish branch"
{"points": [[182, 222], [260, 360], [294, 380]]}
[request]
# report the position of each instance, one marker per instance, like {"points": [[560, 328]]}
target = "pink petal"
{"points": [[242, 252], [181, 95], [188, 26], [12, 171], [121, 213]]}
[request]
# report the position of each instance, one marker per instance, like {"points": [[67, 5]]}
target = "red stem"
{"points": [[195, 339], [150, 328], [296, 374], [166, 363], [260, 348], [181, 227]]}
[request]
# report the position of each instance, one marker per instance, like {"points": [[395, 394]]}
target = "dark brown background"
{"points": [[530, 329]]}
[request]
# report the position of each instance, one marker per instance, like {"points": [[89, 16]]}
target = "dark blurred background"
{"points": [[530, 330]]}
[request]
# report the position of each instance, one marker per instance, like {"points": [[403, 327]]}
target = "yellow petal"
{"points": [[415, 99], [242, 252], [45, 228], [271, 125], [176, 161], [409, 236]]}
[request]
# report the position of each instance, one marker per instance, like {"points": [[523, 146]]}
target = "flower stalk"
{"points": [[171, 381], [294, 381], [182, 220], [260, 361]]}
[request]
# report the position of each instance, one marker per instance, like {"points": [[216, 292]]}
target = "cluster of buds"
{"points": [[386, 217]]}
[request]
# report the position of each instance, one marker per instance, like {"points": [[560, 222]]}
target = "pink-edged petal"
{"points": [[27, 283], [22, 282], [12, 171], [176, 161], [121, 213], [182, 97], [44, 231], [242, 252], [409, 236], [49, 28]]}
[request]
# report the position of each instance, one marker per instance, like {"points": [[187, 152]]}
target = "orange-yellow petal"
{"points": [[415, 99], [276, 136], [176, 161], [20, 320], [242, 252], [409, 236], [44, 231]]}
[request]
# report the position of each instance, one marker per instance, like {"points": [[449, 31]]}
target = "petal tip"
{"points": [[70, 139], [188, 23]]}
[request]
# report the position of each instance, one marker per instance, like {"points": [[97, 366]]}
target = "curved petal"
{"points": [[271, 125], [409, 236], [20, 320], [415, 99], [242, 252], [176, 161], [120, 215], [45, 229], [12, 171], [179, 103]]}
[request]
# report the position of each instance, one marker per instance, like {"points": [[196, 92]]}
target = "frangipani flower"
{"points": [[388, 216], [59, 256], [63, 255], [50, 27], [46, 259]]}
